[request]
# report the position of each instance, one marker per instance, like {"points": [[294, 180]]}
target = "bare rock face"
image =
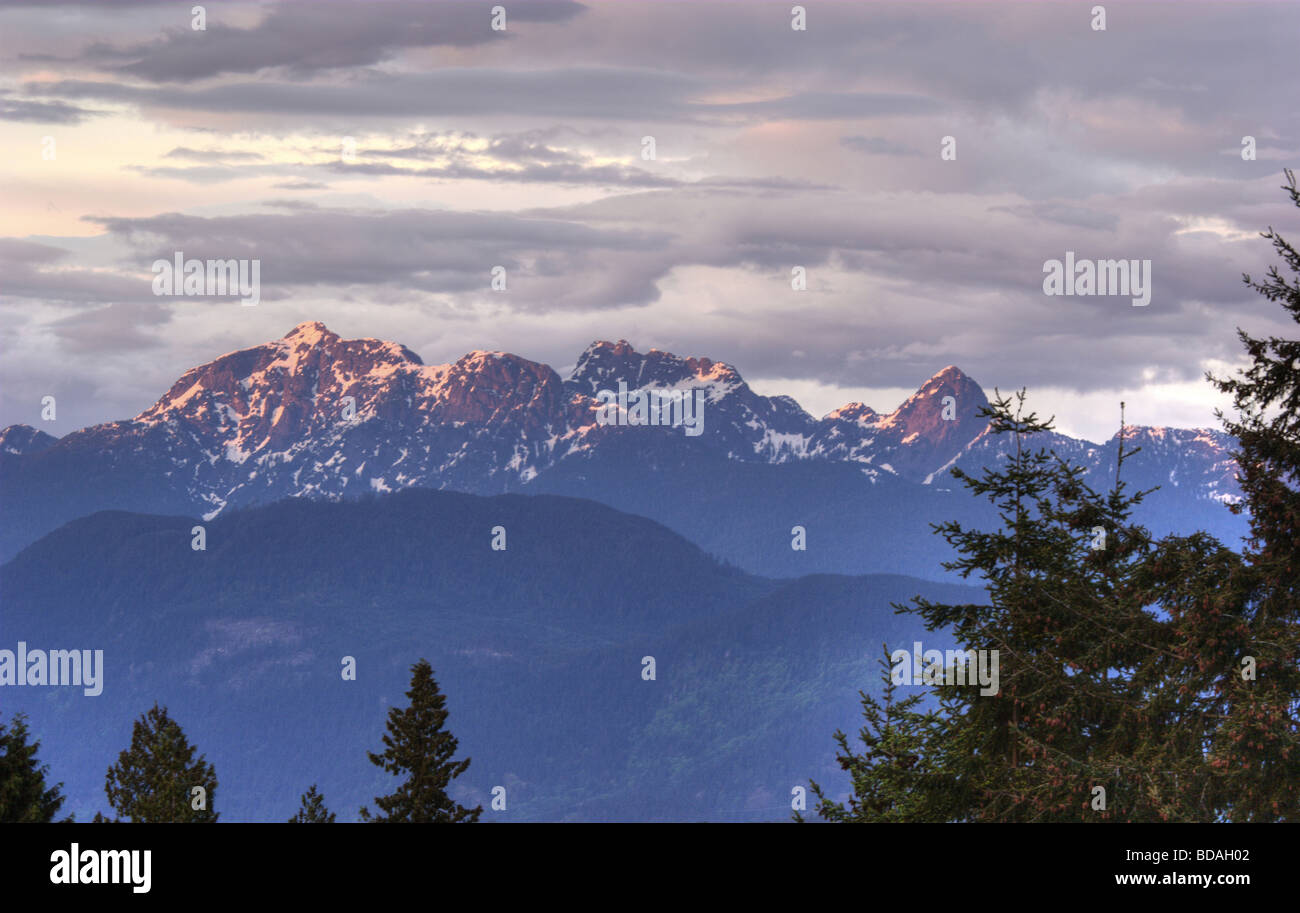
{"points": [[933, 425]]}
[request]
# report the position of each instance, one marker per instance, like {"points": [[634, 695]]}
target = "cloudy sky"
{"points": [[381, 158]]}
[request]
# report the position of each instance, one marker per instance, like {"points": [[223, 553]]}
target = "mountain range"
{"points": [[351, 498], [315, 415]]}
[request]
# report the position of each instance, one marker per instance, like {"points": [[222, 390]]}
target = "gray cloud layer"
{"points": [[776, 149]]}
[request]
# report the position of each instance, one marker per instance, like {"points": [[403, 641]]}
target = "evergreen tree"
{"points": [[24, 797], [418, 747], [312, 810], [153, 780], [1062, 620], [892, 780], [1166, 672], [1106, 645], [1259, 748]]}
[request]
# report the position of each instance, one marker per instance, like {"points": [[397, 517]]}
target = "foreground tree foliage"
{"points": [[1260, 756], [1094, 691], [896, 757], [312, 809], [1166, 673], [24, 796], [154, 780], [418, 747]]}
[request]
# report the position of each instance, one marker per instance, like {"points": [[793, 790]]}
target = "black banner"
{"points": [[256, 861]]}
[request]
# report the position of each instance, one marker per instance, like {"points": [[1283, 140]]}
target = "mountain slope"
{"points": [[539, 648]]}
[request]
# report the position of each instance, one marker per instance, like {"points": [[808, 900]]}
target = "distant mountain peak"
{"points": [[311, 332], [620, 348], [21, 439], [706, 369], [951, 381], [951, 378], [480, 357], [932, 425], [603, 364], [854, 412], [950, 372], [1161, 431]]}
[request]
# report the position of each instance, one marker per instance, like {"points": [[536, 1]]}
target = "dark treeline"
{"points": [[158, 779]]}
